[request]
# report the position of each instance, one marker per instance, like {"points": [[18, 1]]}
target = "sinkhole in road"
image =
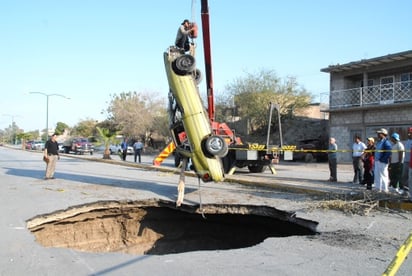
{"points": [[158, 227]]}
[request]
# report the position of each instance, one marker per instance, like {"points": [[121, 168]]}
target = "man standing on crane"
{"points": [[183, 33]]}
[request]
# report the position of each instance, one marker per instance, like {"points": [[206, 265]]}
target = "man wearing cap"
{"points": [[405, 171], [396, 164], [182, 36], [382, 156]]}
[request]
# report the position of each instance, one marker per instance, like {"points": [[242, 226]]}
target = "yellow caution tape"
{"points": [[260, 147], [400, 257]]}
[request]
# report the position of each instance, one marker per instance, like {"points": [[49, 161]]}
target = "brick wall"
{"points": [[344, 123]]}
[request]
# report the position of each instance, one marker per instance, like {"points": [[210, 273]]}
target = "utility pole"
{"points": [[47, 107]]}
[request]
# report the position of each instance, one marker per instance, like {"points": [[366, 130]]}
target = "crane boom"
{"points": [[208, 59]]}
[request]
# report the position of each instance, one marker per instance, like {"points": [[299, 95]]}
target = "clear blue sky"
{"points": [[90, 49]]}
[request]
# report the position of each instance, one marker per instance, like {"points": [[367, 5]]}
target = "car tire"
{"points": [[256, 168], [215, 146], [178, 159], [228, 162], [197, 75], [184, 65], [309, 158]]}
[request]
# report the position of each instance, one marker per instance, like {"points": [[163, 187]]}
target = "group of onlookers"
{"points": [[385, 163]]}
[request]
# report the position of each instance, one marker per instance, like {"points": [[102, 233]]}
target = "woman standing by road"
{"points": [[368, 159]]}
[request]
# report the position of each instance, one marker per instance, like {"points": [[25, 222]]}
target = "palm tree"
{"points": [[107, 137], [24, 138]]}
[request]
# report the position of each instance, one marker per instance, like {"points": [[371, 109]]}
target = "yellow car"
{"points": [[189, 123]]}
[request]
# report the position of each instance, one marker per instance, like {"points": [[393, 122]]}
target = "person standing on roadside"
{"points": [[357, 150], [138, 148], [405, 171], [396, 163], [368, 159], [51, 154], [332, 158], [123, 145], [409, 192], [382, 157]]}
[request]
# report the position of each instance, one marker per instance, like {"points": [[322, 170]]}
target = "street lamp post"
{"points": [[47, 106]]}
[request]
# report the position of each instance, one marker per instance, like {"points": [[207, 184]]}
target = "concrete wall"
{"points": [[344, 124]]}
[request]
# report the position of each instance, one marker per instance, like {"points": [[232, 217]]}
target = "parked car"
{"points": [[34, 145], [118, 149], [78, 146], [311, 150], [61, 147], [28, 145]]}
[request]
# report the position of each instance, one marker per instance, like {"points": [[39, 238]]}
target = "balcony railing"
{"points": [[390, 93]]}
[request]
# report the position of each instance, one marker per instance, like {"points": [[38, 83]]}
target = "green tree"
{"points": [[137, 114], [61, 127], [11, 132], [85, 128], [253, 93], [107, 137], [24, 137], [160, 124]]}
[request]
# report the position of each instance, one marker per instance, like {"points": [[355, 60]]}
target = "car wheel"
{"points": [[178, 159], [215, 146], [184, 65], [197, 75], [309, 158], [256, 168], [228, 162]]}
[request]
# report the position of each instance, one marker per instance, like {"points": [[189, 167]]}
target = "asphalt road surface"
{"points": [[347, 244]]}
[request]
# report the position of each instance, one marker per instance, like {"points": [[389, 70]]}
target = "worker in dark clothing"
{"points": [[51, 155], [182, 36]]}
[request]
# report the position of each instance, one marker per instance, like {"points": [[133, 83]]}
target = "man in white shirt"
{"points": [[405, 171], [396, 163], [138, 148], [358, 148]]}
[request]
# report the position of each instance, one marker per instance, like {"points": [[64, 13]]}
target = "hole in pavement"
{"points": [[157, 227]]}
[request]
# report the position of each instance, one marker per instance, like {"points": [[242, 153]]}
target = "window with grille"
{"points": [[386, 90]]}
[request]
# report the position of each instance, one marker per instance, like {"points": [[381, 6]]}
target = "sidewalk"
{"points": [[298, 177]]}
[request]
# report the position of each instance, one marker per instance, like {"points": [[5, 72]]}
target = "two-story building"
{"points": [[367, 95]]}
